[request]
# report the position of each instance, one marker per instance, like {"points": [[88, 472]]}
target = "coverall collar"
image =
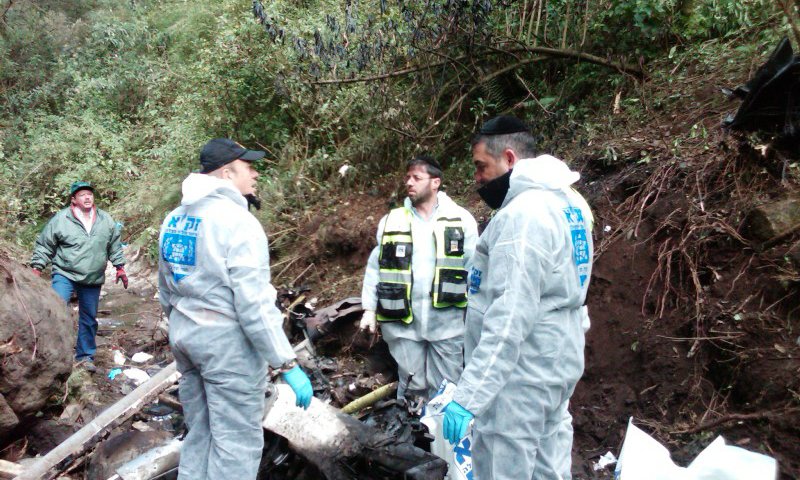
{"points": [[198, 186], [544, 172]]}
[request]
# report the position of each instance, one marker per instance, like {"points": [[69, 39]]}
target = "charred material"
{"points": [[771, 99]]}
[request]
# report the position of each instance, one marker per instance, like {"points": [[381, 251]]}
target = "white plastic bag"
{"points": [[459, 456], [643, 458]]}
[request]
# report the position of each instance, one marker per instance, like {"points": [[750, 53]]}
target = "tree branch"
{"points": [[477, 85], [736, 417], [622, 67]]}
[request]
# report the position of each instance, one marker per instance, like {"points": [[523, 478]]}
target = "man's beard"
{"points": [[421, 197]]}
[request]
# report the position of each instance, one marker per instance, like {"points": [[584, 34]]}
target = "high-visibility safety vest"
{"points": [[395, 278]]}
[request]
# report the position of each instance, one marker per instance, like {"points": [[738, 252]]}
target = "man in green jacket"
{"points": [[78, 241]]}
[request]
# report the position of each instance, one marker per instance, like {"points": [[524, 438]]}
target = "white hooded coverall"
{"points": [[525, 325], [431, 346], [225, 329]]}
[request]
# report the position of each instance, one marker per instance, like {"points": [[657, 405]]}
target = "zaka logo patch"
{"points": [[474, 281], [580, 242], [179, 245], [463, 457]]}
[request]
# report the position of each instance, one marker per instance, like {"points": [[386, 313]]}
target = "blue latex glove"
{"points": [[456, 421], [298, 380]]}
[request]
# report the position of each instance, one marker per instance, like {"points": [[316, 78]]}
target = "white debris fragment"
{"points": [[141, 357], [607, 228], [119, 358], [141, 426], [604, 461], [343, 169], [137, 375]]}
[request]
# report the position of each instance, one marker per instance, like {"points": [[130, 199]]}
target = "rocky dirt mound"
{"points": [[696, 289], [37, 337]]}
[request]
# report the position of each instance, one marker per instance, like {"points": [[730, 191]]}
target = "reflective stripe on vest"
{"points": [[395, 278], [450, 278]]}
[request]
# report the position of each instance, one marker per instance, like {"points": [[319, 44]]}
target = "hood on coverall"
{"points": [[525, 323]]}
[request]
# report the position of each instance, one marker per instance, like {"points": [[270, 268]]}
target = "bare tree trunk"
{"points": [[586, 16], [567, 18], [534, 7], [521, 29], [538, 22]]}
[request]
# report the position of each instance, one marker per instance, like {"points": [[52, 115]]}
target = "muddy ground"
{"points": [[640, 360]]}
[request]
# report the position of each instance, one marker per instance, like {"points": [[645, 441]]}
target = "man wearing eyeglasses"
{"points": [[415, 285]]}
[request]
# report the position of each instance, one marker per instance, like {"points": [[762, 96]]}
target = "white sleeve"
{"points": [[470, 236], [254, 296]]}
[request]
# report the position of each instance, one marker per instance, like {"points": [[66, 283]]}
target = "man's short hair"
{"points": [[523, 144], [432, 167]]}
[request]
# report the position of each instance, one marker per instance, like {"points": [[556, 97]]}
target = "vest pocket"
{"points": [[453, 241], [396, 255], [452, 287], [393, 300]]}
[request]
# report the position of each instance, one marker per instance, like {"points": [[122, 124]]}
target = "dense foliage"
{"points": [[123, 93]]}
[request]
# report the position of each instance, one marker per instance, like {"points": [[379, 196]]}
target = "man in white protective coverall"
{"points": [[526, 317], [224, 327], [415, 283]]}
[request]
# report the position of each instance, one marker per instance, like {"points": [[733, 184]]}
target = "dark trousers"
{"points": [[88, 298]]}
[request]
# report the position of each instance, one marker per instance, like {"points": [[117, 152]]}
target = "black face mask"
{"points": [[253, 201], [494, 191]]}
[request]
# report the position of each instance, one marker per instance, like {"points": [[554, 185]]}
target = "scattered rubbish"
{"points": [[85, 438], [324, 320], [109, 323], [158, 410], [328, 438], [138, 376], [153, 463], [607, 228], [643, 457], [370, 398], [112, 455], [141, 357], [70, 414], [10, 469], [141, 426], [385, 435], [604, 461], [343, 169], [459, 456], [119, 358]]}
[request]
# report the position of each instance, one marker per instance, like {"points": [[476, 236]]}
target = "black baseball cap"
{"points": [[503, 125], [222, 151]]}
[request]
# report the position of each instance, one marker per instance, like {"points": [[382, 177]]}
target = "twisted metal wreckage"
{"points": [[387, 441]]}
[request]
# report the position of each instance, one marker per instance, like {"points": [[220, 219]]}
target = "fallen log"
{"points": [[322, 435], [327, 438], [49, 466]]}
